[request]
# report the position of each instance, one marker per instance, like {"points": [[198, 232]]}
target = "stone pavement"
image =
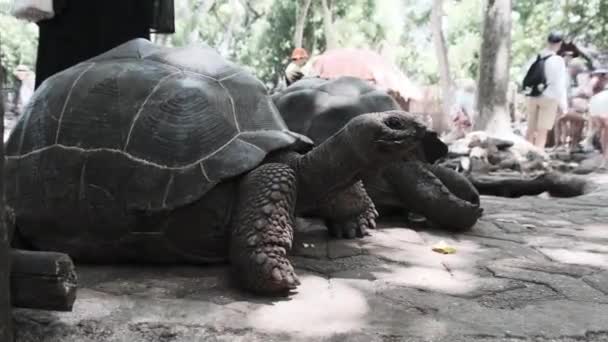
{"points": [[533, 269]]}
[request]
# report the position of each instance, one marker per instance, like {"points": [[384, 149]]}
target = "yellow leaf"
{"points": [[443, 248]]}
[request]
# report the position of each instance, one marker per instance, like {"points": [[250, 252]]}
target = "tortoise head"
{"points": [[386, 135]]}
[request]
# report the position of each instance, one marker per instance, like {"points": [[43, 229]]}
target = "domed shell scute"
{"points": [[151, 126]]}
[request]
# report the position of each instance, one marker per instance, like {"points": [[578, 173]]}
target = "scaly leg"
{"points": [[262, 233], [349, 213]]}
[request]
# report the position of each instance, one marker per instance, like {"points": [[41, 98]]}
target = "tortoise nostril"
{"points": [[394, 122]]}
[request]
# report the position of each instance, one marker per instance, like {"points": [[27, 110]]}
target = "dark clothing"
{"points": [[82, 29]]}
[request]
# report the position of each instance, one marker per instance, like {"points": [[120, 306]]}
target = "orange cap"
{"points": [[299, 53]]}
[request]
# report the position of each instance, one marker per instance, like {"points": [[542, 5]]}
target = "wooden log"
{"points": [[516, 185], [42, 280]]}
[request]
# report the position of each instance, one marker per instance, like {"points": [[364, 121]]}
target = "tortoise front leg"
{"points": [[423, 192], [262, 233], [457, 183], [349, 213]]}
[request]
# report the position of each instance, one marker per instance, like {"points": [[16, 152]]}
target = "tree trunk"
{"points": [[228, 38], [441, 51], [495, 60], [301, 14], [6, 331], [328, 26]]}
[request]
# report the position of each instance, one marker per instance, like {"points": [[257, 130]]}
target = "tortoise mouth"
{"points": [[402, 144]]}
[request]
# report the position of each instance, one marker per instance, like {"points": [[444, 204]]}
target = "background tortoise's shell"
{"points": [[318, 108], [151, 126]]}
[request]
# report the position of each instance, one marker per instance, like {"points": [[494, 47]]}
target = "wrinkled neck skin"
{"points": [[328, 168]]}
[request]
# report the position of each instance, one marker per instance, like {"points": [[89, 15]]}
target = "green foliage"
{"points": [[272, 44], [18, 43], [399, 29], [587, 20]]}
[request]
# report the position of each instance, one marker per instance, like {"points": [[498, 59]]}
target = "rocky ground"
{"points": [[533, 269]]}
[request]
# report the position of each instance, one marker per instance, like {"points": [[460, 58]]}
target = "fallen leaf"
{"points": [[443, 248], [506, 220]]}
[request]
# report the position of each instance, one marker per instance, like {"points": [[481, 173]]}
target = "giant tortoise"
{"points": [[318, 108], [164, 155]]}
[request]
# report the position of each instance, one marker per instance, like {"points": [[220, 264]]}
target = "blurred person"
{"points": [[545, 86], [463, 113], [598, 111], [26, 79], [568, 128], [295, 69], [83, 29], [598, 82]]}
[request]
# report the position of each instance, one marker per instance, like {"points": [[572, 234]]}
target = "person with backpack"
{"points": [[546, 89]]}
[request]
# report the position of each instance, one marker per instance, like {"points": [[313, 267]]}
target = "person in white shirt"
{"points": [[542, 110], [26, 90], [598, 113], [463, 113]]}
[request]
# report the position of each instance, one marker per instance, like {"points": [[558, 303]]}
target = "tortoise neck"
{"points": [[328, 168]]}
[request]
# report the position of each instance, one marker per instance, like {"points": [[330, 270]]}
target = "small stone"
{"points": [[252, 241], [275, 186], [284, 187]]}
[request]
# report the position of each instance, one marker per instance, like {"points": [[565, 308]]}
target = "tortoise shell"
{"points": [[150, 127]]}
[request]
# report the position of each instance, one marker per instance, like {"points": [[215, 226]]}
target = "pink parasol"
{"points": [[367, 65]]}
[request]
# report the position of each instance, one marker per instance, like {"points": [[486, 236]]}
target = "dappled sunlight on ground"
{"points": [[388, 244], [426, 269], [321, 307], [93, 305], [594, 230], [435, 279], [576, 257]]}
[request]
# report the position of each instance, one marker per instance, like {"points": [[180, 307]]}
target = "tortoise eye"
{"points": [[394, 122]]}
